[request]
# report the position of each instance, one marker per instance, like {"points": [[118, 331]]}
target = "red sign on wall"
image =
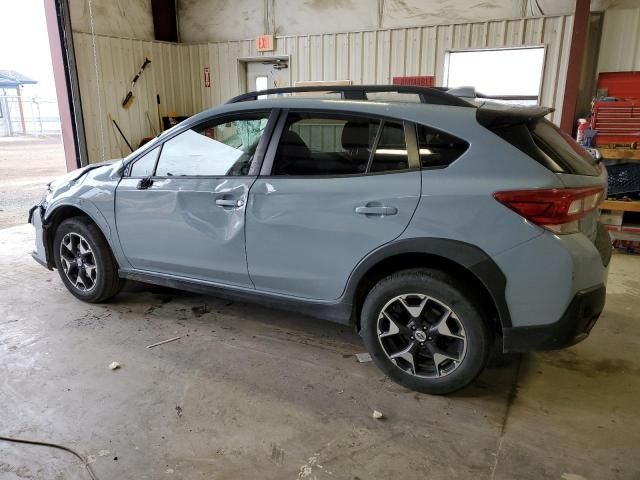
{"points": [[264, 43], [421, 81], [207, 77]]}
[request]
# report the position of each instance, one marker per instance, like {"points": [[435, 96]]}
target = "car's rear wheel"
{"points": [[84, 261], [424, 331]]}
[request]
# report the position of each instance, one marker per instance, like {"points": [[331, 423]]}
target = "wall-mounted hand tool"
{"points": [[128, 99]]}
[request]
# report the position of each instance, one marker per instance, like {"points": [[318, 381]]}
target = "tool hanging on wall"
{"points": [[153, 132], [128, 99], [121, 134], [159, 115], [153, 129]]}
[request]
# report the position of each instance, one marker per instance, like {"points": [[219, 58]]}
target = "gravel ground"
{"points": [[26, 165]]}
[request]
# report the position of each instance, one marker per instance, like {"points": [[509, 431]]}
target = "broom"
{"points": [[128, 99]]}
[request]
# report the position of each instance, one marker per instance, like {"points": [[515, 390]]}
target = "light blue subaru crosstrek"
{"points": [[436, 227]]}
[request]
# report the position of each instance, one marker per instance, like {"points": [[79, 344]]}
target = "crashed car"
{"points": [[437, 227]]}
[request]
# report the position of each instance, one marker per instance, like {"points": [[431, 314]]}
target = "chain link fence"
{"points": [[28, 116]]}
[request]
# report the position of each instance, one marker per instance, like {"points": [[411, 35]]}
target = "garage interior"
{"points": [[247, 391]]}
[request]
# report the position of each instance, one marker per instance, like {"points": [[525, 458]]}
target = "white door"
{"points": [[262, 75]]}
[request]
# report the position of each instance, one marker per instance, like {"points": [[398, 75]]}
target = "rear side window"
{"points": [[391, 150], [335, 144], [438, 149], [549, 146]]}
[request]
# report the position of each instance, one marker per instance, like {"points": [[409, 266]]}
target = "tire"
{"points": [[455, 342], [81, 251]]}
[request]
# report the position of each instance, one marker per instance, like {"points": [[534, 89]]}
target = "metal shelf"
{"points": [[621, 206]]}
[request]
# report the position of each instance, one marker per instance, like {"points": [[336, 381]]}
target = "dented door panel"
{"points": [[192, 227]]}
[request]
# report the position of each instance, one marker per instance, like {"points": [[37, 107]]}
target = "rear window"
{"points": [[549, 146]]}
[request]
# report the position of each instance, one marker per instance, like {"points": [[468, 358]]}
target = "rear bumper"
{"points": [[573, 327]]}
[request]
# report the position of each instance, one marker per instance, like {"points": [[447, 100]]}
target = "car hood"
{"points": [[80, 173]]}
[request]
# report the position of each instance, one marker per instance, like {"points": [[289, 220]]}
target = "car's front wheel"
{"points": [[423, 330], [84, 261]]}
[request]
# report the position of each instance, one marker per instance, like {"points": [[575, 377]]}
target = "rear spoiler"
{"points": [[496, 115], [493, 114]]}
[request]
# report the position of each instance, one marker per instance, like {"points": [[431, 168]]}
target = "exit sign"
{"points": [[264, 43]]}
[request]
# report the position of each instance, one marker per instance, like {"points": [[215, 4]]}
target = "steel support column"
{"points": [[574, 67], [65, 77]]}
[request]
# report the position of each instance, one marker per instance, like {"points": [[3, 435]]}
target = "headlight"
{"points": [[45, 200]]}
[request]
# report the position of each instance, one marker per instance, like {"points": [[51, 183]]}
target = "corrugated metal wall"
{"points": [[173, 74], [377, 56], [363, 57], [620, 44], [320, 137]]}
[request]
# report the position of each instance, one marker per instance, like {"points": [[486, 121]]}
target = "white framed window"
{"points": [[262, 83], [509, 74]]}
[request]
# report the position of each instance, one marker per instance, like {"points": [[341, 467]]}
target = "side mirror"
{"points": [[144, 183]]}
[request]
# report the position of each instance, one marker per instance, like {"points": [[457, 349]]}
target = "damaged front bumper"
{"points": [[36, 218]]}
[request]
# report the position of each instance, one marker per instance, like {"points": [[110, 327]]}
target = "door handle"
{"points": [[228, 202], [379, 210]]}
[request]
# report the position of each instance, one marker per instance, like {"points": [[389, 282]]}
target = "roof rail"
{"points": [[433, 96]]}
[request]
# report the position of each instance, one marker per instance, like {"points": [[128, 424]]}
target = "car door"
{"points": [[180, 208], [333, 188]]}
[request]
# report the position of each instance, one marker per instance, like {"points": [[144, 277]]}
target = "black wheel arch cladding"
{"points": [[465, 255]]}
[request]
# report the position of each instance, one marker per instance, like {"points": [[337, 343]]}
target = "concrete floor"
{"points": [[249, 392], [27, 164]]}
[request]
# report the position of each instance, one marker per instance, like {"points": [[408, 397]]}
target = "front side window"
{"points": [[143, 166], [318, 144], [215, 149]]}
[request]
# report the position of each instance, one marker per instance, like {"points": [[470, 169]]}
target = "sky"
{"points": [[24, 45]]}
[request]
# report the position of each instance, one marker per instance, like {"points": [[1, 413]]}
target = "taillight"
{"points": [[556, 209]]}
